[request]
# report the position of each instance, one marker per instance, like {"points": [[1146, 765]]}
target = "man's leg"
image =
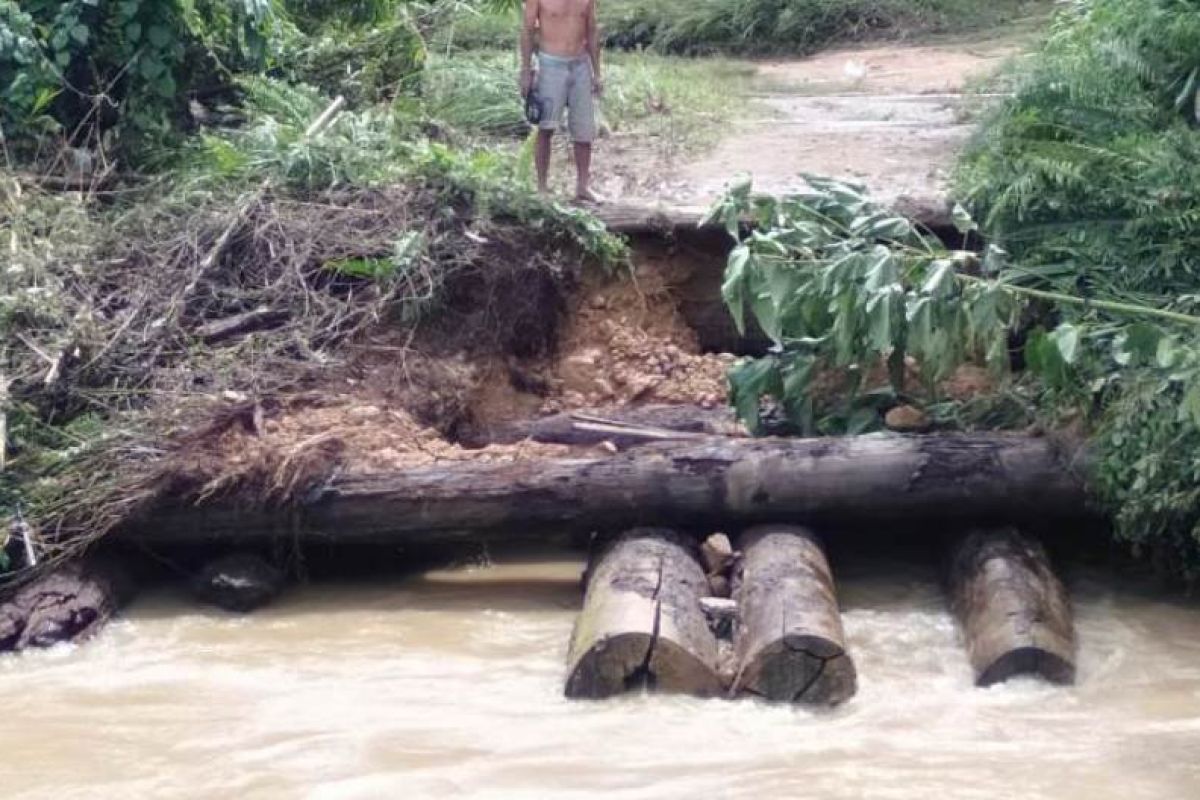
{"points": [[541, 158], [582, 106], [583, 171]]}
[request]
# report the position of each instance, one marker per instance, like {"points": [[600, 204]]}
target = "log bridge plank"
{"points": [[693, 482]]}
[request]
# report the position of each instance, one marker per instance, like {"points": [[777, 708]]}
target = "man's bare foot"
{"points": [[588, 197]]}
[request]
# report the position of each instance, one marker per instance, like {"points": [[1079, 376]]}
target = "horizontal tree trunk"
{"points": [[588, 428], [642, 625], [789, 639], [710, 482], [1014, 612], [70, 604]]}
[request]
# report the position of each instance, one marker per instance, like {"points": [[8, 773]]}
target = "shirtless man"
{"points": [[567, 78]]}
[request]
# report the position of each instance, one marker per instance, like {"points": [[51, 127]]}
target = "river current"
{"points": [[449, 684]]}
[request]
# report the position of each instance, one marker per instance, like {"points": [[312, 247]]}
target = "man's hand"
{"points": [[526, 80], [597, 86]]}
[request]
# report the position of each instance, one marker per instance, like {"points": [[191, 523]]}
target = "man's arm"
{"points": [[593, 45], [529, 23]]}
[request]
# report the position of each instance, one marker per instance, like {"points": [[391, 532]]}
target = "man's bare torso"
{"points": [[563, 27]]}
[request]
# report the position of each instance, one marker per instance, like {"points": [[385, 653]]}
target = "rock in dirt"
{"points": [[68, 605], [720, 586], [241, 582], [907, 419]]}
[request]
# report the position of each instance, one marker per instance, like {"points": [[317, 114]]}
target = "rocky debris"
{"points": [[68, 605], [718, 556], [720, 586], [721, 613], [907, 419], [628, 344], [717, 552], [242, 582]]}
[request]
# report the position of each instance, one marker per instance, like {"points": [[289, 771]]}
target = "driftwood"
{"points": [[642, 625], [789, 639], [705, 482], [1014, 612], [257, 320], [68, 605], [623, 427]]}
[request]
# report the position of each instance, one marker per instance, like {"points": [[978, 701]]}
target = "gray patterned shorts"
{"points": [[565, 85]]}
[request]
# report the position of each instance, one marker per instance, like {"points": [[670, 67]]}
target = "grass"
{"points": [[679, 102]]}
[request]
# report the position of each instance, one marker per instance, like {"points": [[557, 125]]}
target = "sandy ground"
{"points": [[891, 117]]}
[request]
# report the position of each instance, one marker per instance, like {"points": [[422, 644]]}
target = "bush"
{"points": [[82, 68], [366, 65], [788, 26], [1089, 177]]}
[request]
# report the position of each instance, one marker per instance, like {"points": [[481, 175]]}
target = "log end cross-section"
{"points": [[1014, 612], [642, 625], [789, 641]]}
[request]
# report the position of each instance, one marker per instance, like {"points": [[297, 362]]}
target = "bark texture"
{"points": [[1014, 612], [789, 639], [642, 625], [68, 605], [710, 482]]}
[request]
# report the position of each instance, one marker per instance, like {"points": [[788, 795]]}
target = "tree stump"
{"points": [[1014, 612], [789, 641], [642, 625]]}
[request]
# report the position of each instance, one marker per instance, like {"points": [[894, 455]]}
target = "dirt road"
{"points": [[892, 117]]}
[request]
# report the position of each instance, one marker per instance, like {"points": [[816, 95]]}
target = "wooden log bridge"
{"points": [[694, 482]]}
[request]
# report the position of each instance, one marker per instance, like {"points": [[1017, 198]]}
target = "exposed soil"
{"points": [[627, 343], [404, 404]]}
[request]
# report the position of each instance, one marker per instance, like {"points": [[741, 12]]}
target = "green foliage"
{"points": [[84, 67], [1090, 174], [839, 283], [669, 101], [1090, 177], [791, 26], [366, 65]]}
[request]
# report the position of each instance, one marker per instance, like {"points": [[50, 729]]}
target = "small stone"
{"points": [[599, 302], [907, 419], [717, 553], [241, 582], [719, 607]]}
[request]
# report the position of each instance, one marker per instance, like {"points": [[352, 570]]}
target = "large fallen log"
{"points": [[1014, 612], [789, 639], [695, 482], [642, 625], [70, 604]]}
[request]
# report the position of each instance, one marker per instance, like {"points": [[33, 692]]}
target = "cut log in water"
{"points": [[1014, 612], [70, 604], [705, 482], [642, 625], [789, 639]]}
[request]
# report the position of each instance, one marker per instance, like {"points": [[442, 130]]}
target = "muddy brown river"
{"points": [[450, 685]]}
